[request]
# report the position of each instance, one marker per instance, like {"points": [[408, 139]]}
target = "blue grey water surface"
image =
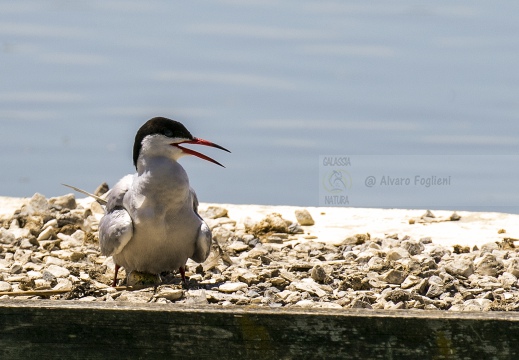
{"points": [[279, 83]]}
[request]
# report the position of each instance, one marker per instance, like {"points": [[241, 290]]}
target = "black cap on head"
{"points": [[159, 125]]}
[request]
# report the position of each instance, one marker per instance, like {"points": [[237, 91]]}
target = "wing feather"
{"points": [[116, 226], [204, 238]]}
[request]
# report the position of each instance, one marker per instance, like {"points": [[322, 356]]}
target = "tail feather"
{"points": [[99, 199]]}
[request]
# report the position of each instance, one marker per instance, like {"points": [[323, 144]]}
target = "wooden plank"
{"points": [[40, 329]]}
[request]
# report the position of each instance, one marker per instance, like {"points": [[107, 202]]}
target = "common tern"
{"points": [[151, 222]]}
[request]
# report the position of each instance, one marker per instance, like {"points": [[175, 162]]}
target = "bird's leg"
{"points": [[117, 267], [183, 275]]}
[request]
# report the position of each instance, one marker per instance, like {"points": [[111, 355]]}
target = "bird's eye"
{"points": [[168, 133]]}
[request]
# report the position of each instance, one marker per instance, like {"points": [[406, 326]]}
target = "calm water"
{"points": [[278, 83]]}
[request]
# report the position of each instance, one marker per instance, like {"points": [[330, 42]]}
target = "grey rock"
{"points": [[281, 235], [413, 247], [63, 284], [34, 275], [489, 247], [455, 216], [248, 277], [42, 284], [295, 228], [221, 234], [308, 285], [215, 296], [247, 238], [231, 287], [397, 253], [410, 281], [52, 260], [6, 237], [392, 306], [486, 283], [273, 240], [238, 246], [47, 233], [68, 241], [366, 255], [28, 243], [397, 295], [304, 218], [393, 276], [357, 239], [257, 252], [461, 266], [305, 304], [37, 205], [214, 212], [283, 295], [513, 267], [4, 266], [438, 252], [426, 240], [16, 268], [18, 232], [327, 305], [376, 264], [48, 276], [196, 297], [436, 287], [318, 274], [294, 297], [428, 214], [58, 271], [272, 223], [488, 265], [426, 262], [5, 286], [135, 297], [507, 280], [66, 201], [477, 305], [170, 294], [360, 304]]}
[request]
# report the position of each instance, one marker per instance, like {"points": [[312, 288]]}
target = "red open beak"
{"points": [[197, 154]]}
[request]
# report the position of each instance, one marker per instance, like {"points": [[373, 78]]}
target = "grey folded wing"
{"points": [[202, 244], [204, 237], [116, 226], [194, 200], [115, 230]]}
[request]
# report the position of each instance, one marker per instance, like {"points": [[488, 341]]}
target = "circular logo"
{"points": [[336, 181]]}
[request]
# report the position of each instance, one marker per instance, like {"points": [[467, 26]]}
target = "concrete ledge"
{"points": [[69, 329]]}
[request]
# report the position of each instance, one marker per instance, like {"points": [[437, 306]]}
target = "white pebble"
{"points": [[5, 286], [231, 287], [58, 271], [48, 233], [34, 275]]}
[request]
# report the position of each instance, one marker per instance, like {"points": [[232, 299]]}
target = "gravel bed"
{"points": [[49, 250]]}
